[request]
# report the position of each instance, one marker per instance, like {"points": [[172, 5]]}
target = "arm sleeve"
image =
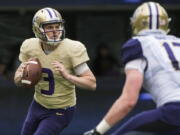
{"points": [[79, 54], [139, 64], [81, 68], [131, 50]]}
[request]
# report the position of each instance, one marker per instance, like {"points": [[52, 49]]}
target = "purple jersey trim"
{"points": [[131, 50]]}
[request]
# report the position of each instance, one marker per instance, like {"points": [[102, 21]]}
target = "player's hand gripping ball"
{"points": [[32, 73]]}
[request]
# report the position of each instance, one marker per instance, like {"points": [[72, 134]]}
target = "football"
{"points": [[32, 73]]}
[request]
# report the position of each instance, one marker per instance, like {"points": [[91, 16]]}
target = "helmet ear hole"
{"points": [[144, 23]]}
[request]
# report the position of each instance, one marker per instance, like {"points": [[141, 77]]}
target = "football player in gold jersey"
{"points": [[64, 66]]}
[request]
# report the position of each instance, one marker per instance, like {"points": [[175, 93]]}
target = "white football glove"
{"points": [[92, 132]]}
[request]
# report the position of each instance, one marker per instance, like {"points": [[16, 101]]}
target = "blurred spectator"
{"points": [[8, 58], [105, 64]]}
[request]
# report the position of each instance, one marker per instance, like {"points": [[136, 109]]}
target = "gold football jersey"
{"points": [[53, 91]]}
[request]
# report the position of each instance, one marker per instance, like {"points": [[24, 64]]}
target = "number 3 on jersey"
{"points": [[50, 79], [168, 47]]}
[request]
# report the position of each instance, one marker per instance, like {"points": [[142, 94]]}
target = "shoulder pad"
{"points": [[77, 47], [131, 50], [78, 53]]}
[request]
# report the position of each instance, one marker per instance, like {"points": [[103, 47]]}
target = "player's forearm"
{"points": [[128, 99], [18, 75], [87, 82], [17, 78], [125, 103], [119, 110]]}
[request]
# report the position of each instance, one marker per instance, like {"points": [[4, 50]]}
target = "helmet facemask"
{"points": [[53, 36]]}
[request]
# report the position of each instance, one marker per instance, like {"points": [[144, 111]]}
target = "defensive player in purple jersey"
{"points": [[64, 66], [152, 60]]}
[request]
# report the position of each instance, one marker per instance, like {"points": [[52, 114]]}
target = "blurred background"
{"points": [[102, 25]]}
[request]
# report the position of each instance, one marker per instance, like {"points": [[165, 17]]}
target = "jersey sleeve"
{"points": [[138, 64], [23, 56], [78, 54], [131, 50]]}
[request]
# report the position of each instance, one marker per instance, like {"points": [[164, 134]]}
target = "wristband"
{"points": [[103, 127]]}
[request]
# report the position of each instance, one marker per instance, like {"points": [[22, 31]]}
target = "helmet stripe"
{"points": [[55, 13], [157, 16], [150, 16], [154, 15], [49, 12]]}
